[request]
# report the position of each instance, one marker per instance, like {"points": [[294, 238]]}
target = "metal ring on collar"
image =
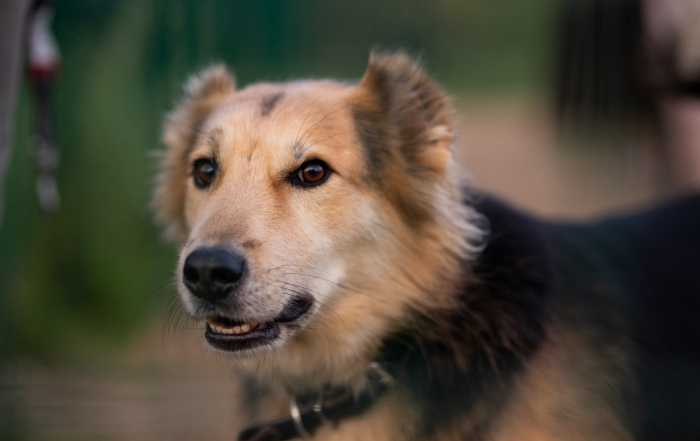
{"points": [[296, 417], [384, 376]]}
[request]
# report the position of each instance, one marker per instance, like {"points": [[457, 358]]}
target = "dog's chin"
{"points": [[250, 337]]}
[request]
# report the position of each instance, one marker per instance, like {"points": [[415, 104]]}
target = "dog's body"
{"points": [[328, 229]]}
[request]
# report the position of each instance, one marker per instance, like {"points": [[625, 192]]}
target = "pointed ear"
{"points": [[416, 108], [404, 121], [203, 93]]}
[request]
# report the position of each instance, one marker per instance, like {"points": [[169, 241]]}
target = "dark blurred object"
{"points": [[672, 69], [672, 46], [43, 66], [599, 60], [12, 22], [631, 69]]}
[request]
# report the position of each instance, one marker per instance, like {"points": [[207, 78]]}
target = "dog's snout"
{"points": [[213, 273]]}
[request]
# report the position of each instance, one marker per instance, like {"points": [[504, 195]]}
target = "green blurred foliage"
{"points": [[92, 275]]}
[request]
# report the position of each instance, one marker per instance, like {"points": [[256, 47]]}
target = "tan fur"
{"points": [[557, 402], [202, 94]]}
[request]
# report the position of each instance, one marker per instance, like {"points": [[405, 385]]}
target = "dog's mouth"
{"points": [[234, 336]]}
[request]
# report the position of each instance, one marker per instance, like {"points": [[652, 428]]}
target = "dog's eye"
{"points": [[204, 171], [313, 172]]}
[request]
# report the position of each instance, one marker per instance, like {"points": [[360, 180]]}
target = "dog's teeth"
{"points": [[238, 329]]}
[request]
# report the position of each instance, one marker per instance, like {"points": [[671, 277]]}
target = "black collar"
{"points": [[309, 411]]}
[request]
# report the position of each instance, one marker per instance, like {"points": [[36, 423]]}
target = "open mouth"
{"points": [[230, 335]]}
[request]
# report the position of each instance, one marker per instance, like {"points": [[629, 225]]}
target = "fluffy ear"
{"points": [[203, 93], [414, 104], [404, 120]]}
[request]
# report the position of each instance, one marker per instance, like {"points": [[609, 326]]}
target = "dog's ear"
{"points": [[203, 93], [404, 120], [415, 106]]}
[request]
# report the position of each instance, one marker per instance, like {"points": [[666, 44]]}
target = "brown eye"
{"points": [[313, 172], [204, 171]]}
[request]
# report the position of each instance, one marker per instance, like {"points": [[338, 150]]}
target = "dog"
{"points": [[338, 255]]}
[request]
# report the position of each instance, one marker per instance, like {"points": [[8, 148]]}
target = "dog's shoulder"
{"points": [[464, 360]]}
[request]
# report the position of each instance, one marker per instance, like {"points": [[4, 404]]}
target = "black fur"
{"points": [[625, 285], [269, 103], [375, 139]]}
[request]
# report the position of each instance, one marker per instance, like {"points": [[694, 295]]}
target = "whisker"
{"points": [[168, 274], [305, 289], [317, 277], [317, 142], [158, 292], [315, 126], [314, 331], [169, 282], [170, 309], [296, 138], [301, 266], [326, 280]]}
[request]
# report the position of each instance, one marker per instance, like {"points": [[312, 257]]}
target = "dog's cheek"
{"points": [[317, 232], [353, 240]]}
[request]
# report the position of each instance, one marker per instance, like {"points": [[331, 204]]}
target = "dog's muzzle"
{"points": [[214, 276]]}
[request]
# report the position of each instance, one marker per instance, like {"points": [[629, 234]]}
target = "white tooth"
{"points": [[227, 331], [245, 327], [236, 329]]}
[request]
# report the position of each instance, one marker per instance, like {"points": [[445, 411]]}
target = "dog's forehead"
{"points": [[276, 120]]}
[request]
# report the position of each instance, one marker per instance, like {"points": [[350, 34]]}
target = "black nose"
{"points": [[213, 273]]}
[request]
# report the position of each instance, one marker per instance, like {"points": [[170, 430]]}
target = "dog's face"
{"points": [[303, 201], [273, 206]]}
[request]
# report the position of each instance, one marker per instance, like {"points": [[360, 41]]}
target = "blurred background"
{"points": [[570, 109]]}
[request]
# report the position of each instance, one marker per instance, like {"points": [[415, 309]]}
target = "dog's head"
{"points": [[315, 209]]}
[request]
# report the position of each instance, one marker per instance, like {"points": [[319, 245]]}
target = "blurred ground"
{"points": [[156, 389], [511, 149]]}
